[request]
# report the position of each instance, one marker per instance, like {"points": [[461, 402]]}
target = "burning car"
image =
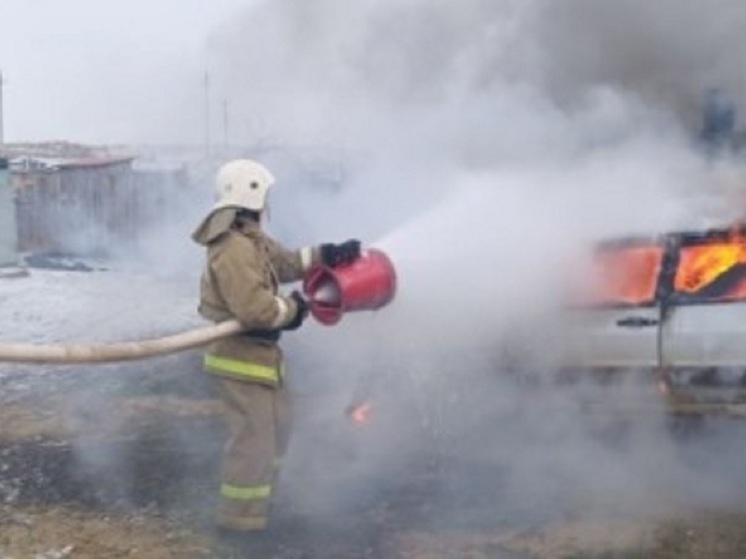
{"points": [[667, 309], [672, 306]]}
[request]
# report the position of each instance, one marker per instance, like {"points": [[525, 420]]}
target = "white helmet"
{"points": [[242, 183]]}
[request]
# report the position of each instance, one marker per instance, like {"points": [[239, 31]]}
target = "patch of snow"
{"points": [[112, 305]]}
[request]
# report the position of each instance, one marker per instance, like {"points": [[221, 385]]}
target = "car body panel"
{"points": [[614, 316], [711, 335], [612, 337], [705, 322]]}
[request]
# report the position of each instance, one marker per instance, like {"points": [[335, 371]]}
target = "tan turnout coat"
{"points": [[240, 281]]}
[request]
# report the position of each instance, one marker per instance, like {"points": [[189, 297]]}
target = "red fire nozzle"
{"points": [[367, 283]]}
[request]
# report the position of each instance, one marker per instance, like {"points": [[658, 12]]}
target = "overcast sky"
{"points": [[128, 71], [111, 71]]}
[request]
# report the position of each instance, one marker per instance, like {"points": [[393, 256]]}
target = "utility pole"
{"points": [[207, 114], [225, 126], [2, 129]]}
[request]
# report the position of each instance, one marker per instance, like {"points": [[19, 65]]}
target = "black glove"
{"points": [[300, 315], [266, 335], [333, 255]]}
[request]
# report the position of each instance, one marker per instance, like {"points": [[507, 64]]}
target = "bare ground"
{"points": [[92, 472]]}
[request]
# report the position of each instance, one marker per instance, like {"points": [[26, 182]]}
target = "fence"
{"points": [[87, 207]]}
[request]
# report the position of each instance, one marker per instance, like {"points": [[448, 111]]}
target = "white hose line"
{"points": [[121, 351]]}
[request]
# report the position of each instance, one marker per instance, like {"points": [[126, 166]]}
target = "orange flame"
{"points": [[360, 413], [626, 274], [636, 270], [713, 268], [700, 265], [663, 385]]}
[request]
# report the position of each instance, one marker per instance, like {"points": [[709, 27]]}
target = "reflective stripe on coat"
{"points": [[240, 281]]}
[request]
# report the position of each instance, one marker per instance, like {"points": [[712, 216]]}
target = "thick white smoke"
{"points": [[486, 144], [296, 72]]}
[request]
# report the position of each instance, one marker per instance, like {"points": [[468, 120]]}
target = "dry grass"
{"points": [[57, 533]]}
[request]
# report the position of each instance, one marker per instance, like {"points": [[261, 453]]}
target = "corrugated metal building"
{"points": [[8, 231], [87, 205], [72, 205]]}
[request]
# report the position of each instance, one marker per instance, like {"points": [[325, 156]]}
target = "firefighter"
{"points": [[240, 281]]}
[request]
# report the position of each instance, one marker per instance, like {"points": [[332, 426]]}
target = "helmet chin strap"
{"points": [[245, 215]]}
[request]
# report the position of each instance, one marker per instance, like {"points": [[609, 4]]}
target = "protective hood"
{"points": [[214, 225]]}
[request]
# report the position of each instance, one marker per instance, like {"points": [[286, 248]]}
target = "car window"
{"points": [[624, 275], [711, 270]]}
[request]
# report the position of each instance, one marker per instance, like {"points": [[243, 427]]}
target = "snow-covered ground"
{"points": [[108, 303], [101, 305]]}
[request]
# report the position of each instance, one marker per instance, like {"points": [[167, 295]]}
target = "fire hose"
{"points": [[120, 351], [367, 283]]}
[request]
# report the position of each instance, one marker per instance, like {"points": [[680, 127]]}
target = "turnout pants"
{"points": [[258, 421]]}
